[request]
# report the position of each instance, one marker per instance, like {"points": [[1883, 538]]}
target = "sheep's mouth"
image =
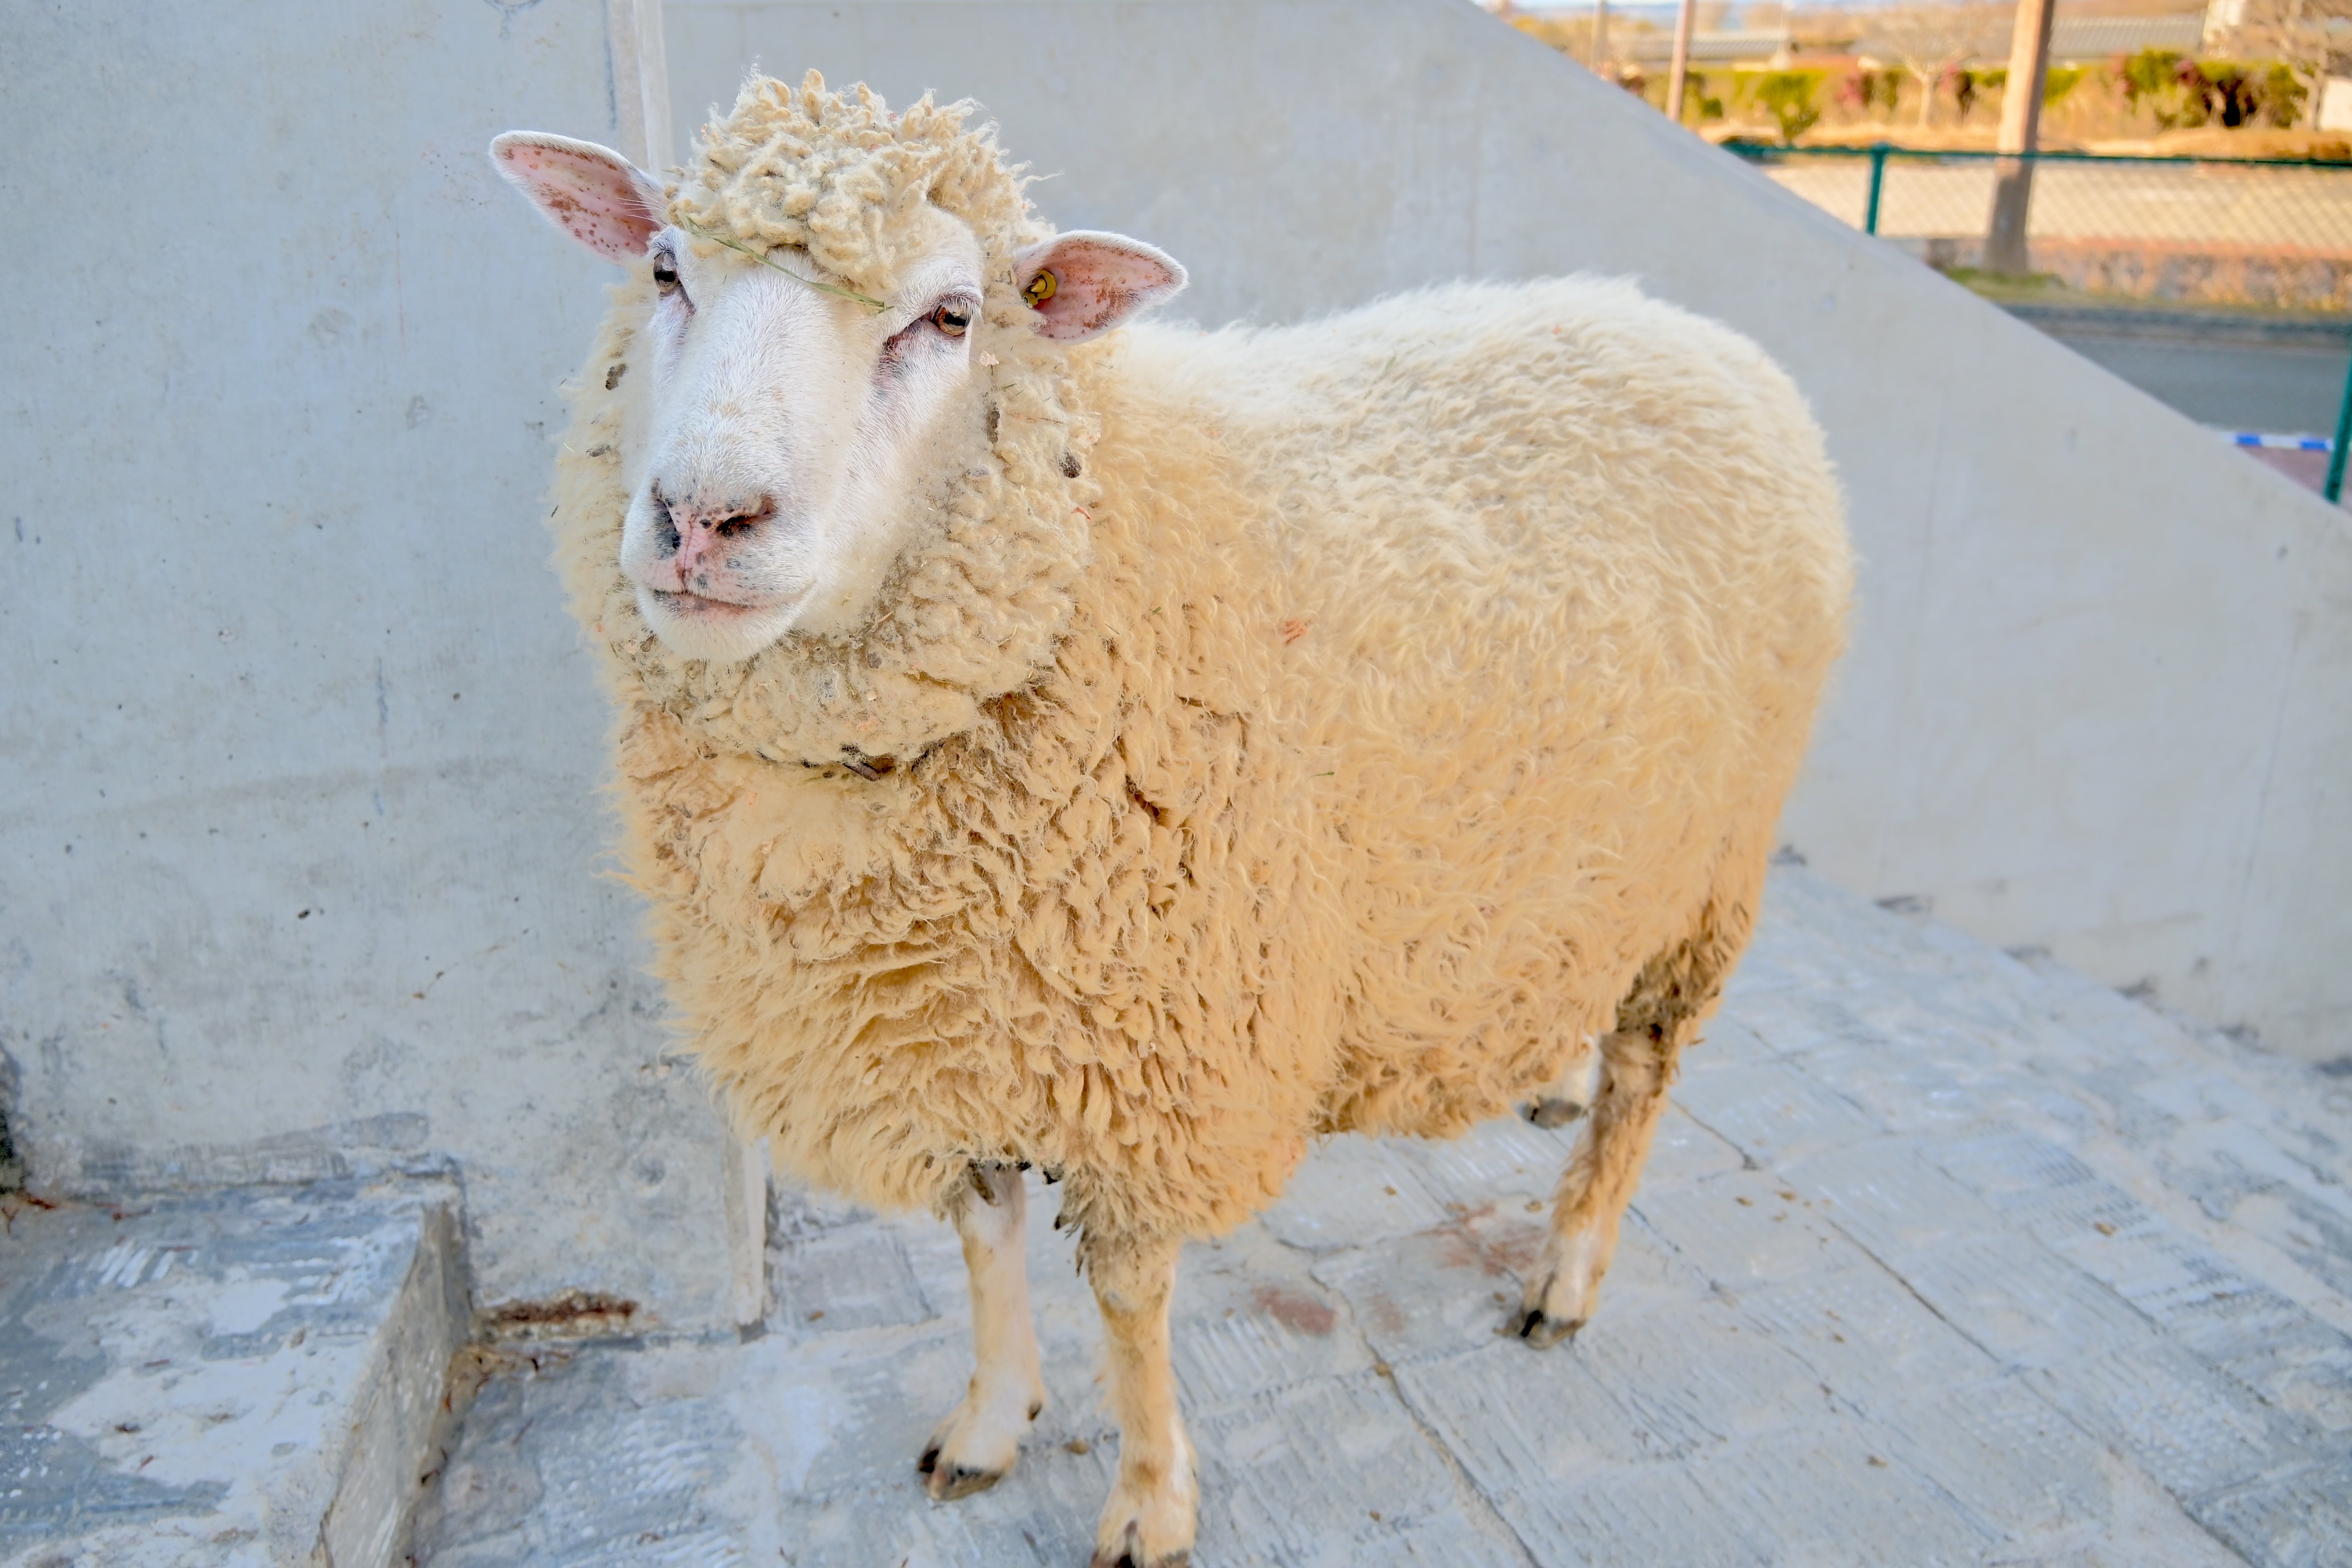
{"points": [[701, 606]]}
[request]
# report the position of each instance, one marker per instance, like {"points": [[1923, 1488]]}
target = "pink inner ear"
{"points": [[1096, 286], [594, 201]]}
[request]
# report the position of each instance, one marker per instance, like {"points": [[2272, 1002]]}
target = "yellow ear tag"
{"points": [[1041, 288]]}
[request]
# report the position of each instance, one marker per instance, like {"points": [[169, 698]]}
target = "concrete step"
{"points": [[1945, 1255], [253, 1376]]}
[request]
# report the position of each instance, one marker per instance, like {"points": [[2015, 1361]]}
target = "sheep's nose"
{"points": [[696, 528]]}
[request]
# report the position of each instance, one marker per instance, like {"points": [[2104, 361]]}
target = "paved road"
{"points": [[2212, 369], [1944, 1258]]}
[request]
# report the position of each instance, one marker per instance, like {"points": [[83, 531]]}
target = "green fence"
{"points": [[2225, 232], [2301, 206]]}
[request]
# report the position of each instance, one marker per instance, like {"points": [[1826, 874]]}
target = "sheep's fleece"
{"points": [[1295, 730]]}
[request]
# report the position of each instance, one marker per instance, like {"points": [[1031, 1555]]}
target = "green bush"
{"points": [[1700, 105], [2062, 81], [1793, 98], [2180, 93]]}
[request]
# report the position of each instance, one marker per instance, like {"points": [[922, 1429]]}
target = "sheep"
{"points": [[1140, 753]]}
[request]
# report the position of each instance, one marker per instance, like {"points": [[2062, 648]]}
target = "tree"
{"points": [[1929, 40]]}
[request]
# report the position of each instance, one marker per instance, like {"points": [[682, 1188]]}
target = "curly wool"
{"points": [[1391, 690]]}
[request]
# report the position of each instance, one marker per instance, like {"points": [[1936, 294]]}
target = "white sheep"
{"points": [[1142, 755]]}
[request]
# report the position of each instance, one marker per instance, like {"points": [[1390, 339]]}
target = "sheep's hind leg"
{"points": [[1148, 1520], [1558, 1104], [1600, 1181], [1661, 1014], [976, 1445]]}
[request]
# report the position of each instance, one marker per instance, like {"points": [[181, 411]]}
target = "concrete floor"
{"points": [[1945, 1256]]}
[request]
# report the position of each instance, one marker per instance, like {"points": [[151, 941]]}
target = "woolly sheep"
{"points": [[1140, 755]]}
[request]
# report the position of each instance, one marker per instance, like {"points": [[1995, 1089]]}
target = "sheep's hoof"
{"points": [[1542, 1330], [1551, 1110], [949, 1482], [1148, 1528], [1127, 1557]]}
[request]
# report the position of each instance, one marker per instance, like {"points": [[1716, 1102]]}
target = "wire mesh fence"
{"points": [[2205, 231]]}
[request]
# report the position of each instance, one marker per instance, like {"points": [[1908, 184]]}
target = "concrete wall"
{"points": [[2096, 697], [298, 860]]}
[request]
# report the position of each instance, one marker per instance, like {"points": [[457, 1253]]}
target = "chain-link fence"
{"points": [[2184, 231], [2195, 230]]}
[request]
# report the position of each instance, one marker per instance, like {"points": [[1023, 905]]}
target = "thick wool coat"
{"points": [[1290, 731]]}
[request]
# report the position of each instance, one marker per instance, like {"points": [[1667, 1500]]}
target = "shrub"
{"points": [[2178, 93], [1793, 100]]}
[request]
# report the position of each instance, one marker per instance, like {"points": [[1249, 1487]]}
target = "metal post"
{"points": [[2334, 490], [1679, 77], [1600, 36], [1877, 184]]}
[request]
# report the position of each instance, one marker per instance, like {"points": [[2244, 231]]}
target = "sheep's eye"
{"points": [[665, 272], [952, 319]]}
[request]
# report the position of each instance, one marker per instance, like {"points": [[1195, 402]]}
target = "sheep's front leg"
{"points": [[1148, 1524], [976, 1445]]}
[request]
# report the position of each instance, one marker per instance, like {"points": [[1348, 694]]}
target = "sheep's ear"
{"points": [[1084, 283], [590, 193]]}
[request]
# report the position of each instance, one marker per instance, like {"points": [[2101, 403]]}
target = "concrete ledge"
{"points": [[242, 1377]]}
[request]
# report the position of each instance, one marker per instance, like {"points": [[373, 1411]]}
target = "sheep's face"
{"points": [[788, 437], [783, 440]]}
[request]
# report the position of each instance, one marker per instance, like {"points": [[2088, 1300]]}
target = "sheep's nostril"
{"points": [[692, 533], [665, 537], [744, 518]]}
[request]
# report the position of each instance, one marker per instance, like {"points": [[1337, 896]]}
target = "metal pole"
{"points": [[1599, 36], [2334, 490], [1877, 184], [1679, 77], [2021, 128]]}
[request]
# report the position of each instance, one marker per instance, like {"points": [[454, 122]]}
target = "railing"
{"points": [[2299, 209], [2233, 232]]}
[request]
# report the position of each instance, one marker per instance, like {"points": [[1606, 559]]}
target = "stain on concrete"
{"points": [[573, 1315], [1294, 1309]]}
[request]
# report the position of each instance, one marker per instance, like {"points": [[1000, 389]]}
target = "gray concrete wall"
{"points": [[2095, 701], [299, 858]]}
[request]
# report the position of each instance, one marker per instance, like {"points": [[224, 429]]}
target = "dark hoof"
{"points": [[1128, 1555], [954, 1481], [1543, 1333], [1553, 1112]]}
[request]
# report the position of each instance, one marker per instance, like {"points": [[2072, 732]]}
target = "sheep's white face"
{"points": [[788, 434], [782, 441]]}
